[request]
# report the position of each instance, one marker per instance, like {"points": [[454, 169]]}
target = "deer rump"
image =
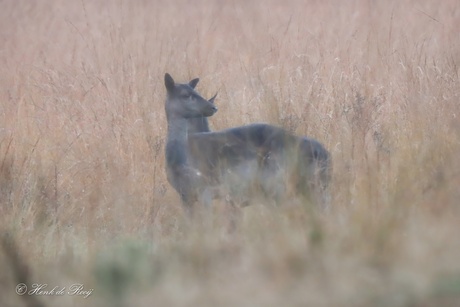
{"points": [[259, 160]]}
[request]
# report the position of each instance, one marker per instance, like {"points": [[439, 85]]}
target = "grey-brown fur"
{"points": [[238, 163]]}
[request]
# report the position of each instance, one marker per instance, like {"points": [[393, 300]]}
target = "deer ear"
{"points": [[169, 82], [194, 82], [212, 99]]}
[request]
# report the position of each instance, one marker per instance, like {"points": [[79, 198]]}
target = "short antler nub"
{"points": [[212, 99]]}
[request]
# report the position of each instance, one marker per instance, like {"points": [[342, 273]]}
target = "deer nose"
{"points": [[214, 108]]}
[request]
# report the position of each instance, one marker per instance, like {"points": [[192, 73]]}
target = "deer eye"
{"points": [[186, 95]]}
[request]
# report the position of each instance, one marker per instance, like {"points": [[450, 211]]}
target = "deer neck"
{"points": [[198, 125], [176, 144]]}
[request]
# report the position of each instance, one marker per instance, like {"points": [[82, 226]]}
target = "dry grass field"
{"points": [[83, 192]]}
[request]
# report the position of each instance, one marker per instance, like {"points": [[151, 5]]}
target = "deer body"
{"points": [[238, 163], [263, 157]]}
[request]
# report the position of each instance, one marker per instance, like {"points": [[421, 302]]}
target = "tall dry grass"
{"points": [[83, 194]]}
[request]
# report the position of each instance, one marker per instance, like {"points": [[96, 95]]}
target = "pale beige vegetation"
{"points": [[83, 193]]}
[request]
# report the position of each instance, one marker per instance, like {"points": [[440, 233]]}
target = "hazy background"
{"points": [[83, 192]]}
